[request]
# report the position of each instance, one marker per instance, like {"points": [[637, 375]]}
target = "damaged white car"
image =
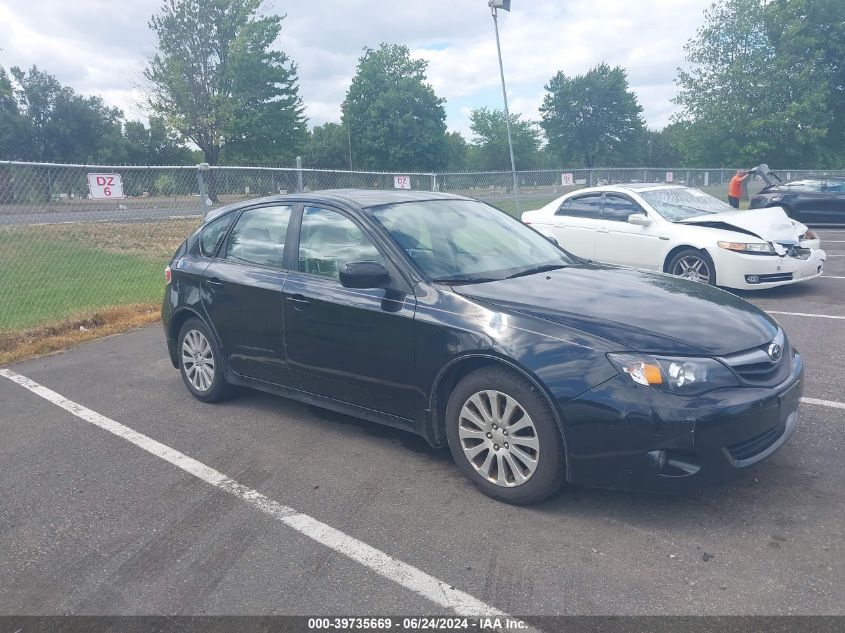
{"points": [[682, 231]]}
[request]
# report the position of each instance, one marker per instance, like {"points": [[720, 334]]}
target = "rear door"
{"points": [[620, 242], [574, 224], [242, 293]]}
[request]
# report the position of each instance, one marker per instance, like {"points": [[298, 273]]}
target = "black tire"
{"points": [[550, 471], [219, 389], [688, 253]]}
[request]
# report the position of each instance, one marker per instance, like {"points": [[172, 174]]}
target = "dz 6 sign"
{"points": [[105, 186]]}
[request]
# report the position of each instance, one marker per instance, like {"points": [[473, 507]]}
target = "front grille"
{"points": [[756, 445], [755, 367]]}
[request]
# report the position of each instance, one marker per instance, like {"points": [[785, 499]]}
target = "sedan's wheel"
{"points": [[498, 438], [504, 437], [199, 362], [693, 265]]}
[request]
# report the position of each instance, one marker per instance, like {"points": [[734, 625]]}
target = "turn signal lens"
{"points": [[167, 275], [644, 373]]}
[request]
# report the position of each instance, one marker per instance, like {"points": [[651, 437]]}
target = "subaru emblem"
{"points": [[775, 352]]}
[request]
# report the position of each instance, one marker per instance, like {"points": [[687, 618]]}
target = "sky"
{"points": [[100, 46]]}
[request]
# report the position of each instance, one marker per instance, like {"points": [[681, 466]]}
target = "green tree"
{"points": [[327, 147], [16, 134], [395, 119], [457, 152], [808, 37], [217, 82], [491, 139], [61, 125], [153, 145], [742, 101], [591, 117]]}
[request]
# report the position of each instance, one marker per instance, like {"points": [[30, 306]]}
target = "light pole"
{"points": [[495, 5]]}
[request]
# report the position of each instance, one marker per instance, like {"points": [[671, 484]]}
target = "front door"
{"points": [[242, 291], [620, 242], [351, 345]]}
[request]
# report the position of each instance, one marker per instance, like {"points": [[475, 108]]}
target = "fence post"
{"points": [[201, 168], [299, 186], [433, 181]]}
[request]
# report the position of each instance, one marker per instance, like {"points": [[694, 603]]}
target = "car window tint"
{"points": [[328, 240], [582, 207], [835, 186], [212, 235], [618, 208], [259, 236]]}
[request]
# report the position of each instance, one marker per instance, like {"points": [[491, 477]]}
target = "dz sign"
{"points": [[105, 186]]}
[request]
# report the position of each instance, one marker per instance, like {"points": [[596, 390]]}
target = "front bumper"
{"points": [[734, 269], [622, 435]]}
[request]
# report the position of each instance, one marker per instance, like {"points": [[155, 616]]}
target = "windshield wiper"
{"points": [[464, 279], [537, 269]]}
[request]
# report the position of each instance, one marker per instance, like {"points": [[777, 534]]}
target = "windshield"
{"points": [[463, 241], [680, 203]]}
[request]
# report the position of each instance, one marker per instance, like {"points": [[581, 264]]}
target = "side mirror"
{"points": [[639, 219], [363, 275]]}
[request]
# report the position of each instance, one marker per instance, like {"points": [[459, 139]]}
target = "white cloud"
{"points": [[99, 47]]}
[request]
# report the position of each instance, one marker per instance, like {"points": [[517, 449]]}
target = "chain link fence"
{"points": [[79, 238]]}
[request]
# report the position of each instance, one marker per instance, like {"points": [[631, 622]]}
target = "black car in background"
{"points": [[810, 200], [445, 317]]}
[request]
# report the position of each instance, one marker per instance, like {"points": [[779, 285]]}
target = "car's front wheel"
{"points": [[200, 362], [693, 265], [503, 436]]}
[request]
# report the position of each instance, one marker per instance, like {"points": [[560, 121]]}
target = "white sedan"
{"points": [[682, 231]]}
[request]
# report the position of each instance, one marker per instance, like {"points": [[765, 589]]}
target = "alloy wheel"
{"points": [[198, 360], [499, 438], [692, 268]]}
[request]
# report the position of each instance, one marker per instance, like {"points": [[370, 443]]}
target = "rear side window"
{"points": [[259, 236], [582, 207], [212, 235], [618, 208]]}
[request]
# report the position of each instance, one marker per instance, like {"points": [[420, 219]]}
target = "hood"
{"points": [[770, 224], [647, 312]]}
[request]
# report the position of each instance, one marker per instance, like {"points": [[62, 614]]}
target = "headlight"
{"points": [[684, 376], [754, 248], [776, 198], [809, 235]]}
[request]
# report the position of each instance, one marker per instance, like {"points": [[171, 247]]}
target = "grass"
{"points": [[19, 344], [63, 273]]}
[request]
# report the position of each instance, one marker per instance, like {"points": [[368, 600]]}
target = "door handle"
{"points": [[214, 283], [299, 302]]}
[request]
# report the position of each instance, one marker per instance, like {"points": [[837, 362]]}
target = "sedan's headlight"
{"points": [[809, 235], [753, 248], [684, 376]]}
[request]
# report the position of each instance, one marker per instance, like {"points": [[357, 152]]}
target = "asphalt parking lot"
{"points": [[91, 523]]}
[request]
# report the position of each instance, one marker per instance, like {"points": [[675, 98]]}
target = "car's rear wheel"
{"points": [[693, 265], [503, 436], [200, 362]]}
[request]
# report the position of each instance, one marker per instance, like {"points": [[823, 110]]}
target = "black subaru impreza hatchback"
{"points": [[443, 316]]}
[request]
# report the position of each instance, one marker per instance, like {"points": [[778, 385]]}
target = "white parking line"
{"points": [[824, 403], [807, 314], [407, 576], [830, 277]]}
